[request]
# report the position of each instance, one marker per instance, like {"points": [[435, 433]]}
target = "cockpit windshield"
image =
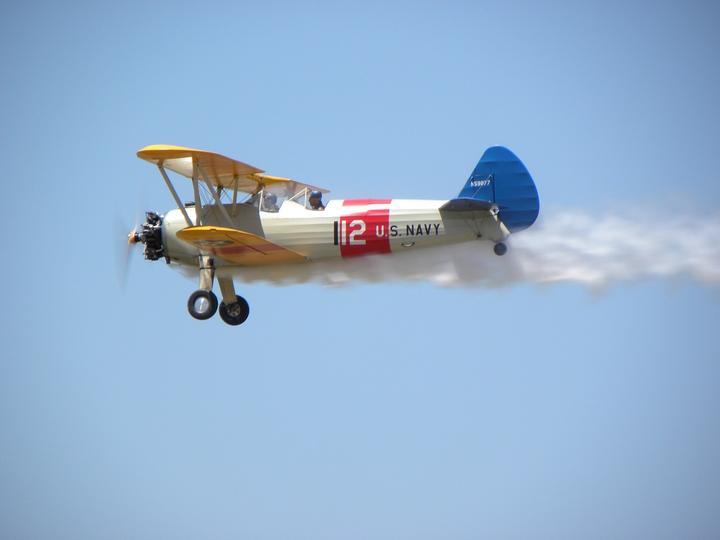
{"points": [[272, 196]]}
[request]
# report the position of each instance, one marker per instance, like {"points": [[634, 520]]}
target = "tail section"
{"points": [[501, 178]]}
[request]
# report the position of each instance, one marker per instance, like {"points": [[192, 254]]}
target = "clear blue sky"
{"points": [[374, 411]]}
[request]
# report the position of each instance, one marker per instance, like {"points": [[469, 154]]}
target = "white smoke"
{"points": [[567, 247]]}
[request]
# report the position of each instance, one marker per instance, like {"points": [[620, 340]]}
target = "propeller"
{"points": [[125, 249], [145, 234]]}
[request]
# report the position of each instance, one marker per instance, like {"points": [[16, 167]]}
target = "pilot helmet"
{"points": [[270, 198], [315, 195]]}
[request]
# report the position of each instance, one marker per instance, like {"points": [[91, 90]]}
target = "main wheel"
{"points": [[500, 249], [202, 304], [235, 313]]}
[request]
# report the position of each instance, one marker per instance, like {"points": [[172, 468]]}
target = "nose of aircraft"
{"points": [[150, 234]]}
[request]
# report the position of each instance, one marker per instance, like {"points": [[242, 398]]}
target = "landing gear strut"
{"points": [[234, 309], [203, 303], [500, 249]]}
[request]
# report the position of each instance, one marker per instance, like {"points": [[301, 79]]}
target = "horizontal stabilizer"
{"points": [[466, 204], [238, 247]]}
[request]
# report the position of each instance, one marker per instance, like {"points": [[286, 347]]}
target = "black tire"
{"points": [[235, 313], [500, 249], [202, 310]]}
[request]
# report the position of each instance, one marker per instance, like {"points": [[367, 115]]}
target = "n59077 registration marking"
{"points": [[480, 183]]}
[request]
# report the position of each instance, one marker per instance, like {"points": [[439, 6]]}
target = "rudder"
{"points": [[501, 178]]}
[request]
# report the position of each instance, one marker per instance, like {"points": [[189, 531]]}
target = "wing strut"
{"points": [[181, 206], [235, 192], [196, 193], [215, 195]]}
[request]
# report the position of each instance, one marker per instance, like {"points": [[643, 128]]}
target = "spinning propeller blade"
{"points": [[124, 251]]}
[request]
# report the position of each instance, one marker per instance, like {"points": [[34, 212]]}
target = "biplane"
{"points": [[241, 217]]}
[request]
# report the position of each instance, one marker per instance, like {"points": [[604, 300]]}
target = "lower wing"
{"points": [[238, 247]]}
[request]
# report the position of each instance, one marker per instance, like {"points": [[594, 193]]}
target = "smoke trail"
{"points": [[569, 247]]}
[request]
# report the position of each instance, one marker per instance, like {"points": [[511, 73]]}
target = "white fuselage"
{"points": [[345, 228]]}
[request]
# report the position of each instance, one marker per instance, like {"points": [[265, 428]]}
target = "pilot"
{"points": [[316, 201], [270, 202]]}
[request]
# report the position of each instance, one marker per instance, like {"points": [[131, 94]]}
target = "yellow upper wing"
{"points": [[238, 247], [220, 170]]}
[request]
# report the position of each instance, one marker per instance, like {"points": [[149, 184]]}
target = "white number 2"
{"points": [[359, 231]]}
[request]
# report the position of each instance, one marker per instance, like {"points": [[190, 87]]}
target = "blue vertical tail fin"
{"points": [[501, 178]]}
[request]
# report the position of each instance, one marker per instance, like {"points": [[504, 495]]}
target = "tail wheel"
{"points": [[202, 304], [235, 313], [500, 249]]}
